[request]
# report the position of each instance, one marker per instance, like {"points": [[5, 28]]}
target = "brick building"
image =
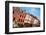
{"points": [[24, 19]]}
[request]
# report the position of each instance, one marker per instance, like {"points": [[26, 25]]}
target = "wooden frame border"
{"points": [[7, 17]]}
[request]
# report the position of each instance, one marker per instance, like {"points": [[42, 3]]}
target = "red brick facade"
{"points": [[21, 17]]}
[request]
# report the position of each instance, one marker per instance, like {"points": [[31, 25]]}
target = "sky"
{"points": [[33, 11]]}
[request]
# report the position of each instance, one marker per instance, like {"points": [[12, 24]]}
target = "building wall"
{"points": [[24, 18]]}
